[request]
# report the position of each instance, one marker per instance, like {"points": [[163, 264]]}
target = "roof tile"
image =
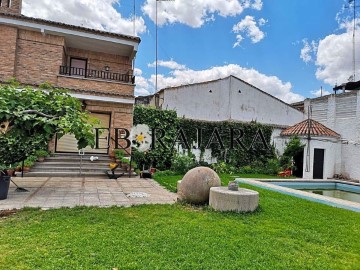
{"points": [[315, 128]]}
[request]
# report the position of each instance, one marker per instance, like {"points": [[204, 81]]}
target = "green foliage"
{"points": [[41, 153], [222, 167], [273, 166], [119, 153], [181, 164], [125, 160], [293, 147], [30, 131], [159, 157], [238, 156]]}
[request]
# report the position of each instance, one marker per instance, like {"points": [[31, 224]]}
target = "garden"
{"points": [[283, 233]]}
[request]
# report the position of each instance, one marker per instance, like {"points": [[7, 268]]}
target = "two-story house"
{"points": [[96, 66]]}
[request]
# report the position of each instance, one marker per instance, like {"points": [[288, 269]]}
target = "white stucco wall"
{"points": [[229, 99], [342, 114], [252, 104], [332, 162], [197, 102], [278, 141]]}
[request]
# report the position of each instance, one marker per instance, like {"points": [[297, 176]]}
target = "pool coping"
{"points": [[339, 203]]}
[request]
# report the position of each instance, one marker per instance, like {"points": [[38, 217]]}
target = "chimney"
{"points": [[11, 6]]}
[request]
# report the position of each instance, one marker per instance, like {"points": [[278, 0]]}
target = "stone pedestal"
{"points": [[244, 200]]}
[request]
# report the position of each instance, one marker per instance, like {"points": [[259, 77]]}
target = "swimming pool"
{"points": [[331, 192], [334, 189]]}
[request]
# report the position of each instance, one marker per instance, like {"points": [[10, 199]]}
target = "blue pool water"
{"points": [[340, 190]]}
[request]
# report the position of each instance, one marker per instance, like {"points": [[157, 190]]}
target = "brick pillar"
{"points": [[11, 6], [7, 52]]}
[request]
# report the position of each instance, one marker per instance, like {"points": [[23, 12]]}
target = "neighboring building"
{"points": [[340, 113], [96, 66], [319, 160], [227, 99]]}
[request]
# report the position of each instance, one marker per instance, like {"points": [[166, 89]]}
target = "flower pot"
{"points": [[41, 159], [10, 172], [4, 186], [26, 169]]}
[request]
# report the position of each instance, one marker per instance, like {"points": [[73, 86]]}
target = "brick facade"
{"points": [[97, 60], [38, 57], [11, 6], [34, 57], [93, 84], [7, 52]]}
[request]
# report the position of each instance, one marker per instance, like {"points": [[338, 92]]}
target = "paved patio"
{"points": [[56, 192]]}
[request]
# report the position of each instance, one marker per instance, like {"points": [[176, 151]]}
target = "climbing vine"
{"points": [[236, 143]]}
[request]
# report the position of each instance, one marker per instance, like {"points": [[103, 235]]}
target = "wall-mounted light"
{"points": [[107, 68], [83, 105], [210, 91]]}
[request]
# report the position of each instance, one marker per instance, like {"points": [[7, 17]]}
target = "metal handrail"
{"points": [[97, 74]]}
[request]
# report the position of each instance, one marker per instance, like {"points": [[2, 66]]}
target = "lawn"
{"points": [[170, 181], [284, 233]]}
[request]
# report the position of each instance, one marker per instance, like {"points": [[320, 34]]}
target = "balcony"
{"points": [[96, 74]]}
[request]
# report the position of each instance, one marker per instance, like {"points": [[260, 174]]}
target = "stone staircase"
{"points": [[68, 165]]}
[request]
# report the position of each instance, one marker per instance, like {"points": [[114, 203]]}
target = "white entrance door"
{"points": [[68, 143]]}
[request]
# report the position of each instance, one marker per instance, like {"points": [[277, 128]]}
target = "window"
{"points": [[78, 66]]}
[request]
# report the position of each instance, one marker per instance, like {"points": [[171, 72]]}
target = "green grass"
{"points": [[170, 181], [285, 233]]}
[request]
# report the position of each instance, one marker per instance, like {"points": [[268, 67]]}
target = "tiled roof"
{"points": [[69, 26], [316, 129]]}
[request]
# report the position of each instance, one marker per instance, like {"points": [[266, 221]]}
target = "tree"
{"points": [[293, 148], [30, 117]]}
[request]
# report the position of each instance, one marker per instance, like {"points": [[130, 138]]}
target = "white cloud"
{"points": [[334, 56], [307, 52], [318, 93], [142, 84], [239, 38], [257, 5], [249, 26], [96, 14], [270, 84], [168, 64], [195, 13]]}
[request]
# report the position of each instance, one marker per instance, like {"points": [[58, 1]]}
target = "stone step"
{"points": [[69, 174], [39, 165], [76, 159], [69, 165]]}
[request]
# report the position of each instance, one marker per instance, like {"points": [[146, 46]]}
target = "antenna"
{"points": [[134, 18], [353, 2], [156, 52]]}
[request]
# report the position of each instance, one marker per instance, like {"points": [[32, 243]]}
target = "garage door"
{"points": [[68, 143]]}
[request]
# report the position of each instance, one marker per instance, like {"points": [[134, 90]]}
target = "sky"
{"points": [[288, 48]]}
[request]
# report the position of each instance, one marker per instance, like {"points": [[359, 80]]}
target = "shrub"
{"points": [[246, 170], [273, 166], [182, 164], [222, 167], [119, 153], [41, 153]]}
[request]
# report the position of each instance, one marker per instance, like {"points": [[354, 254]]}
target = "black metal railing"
{"points": [[96, 74]]}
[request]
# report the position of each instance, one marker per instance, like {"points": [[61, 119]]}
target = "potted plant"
{"points": [[28, 163], [10, 171], [125, 162], [119, 155], [4, 182], [41, 154]]}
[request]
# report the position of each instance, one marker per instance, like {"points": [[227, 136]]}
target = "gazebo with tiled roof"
{"points": [[309, 127]]}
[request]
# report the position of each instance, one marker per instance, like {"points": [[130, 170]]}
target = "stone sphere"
{"points": [[196, 183]]}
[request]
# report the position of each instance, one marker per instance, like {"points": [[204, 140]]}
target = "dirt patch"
{"points": [[6, 213]]}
